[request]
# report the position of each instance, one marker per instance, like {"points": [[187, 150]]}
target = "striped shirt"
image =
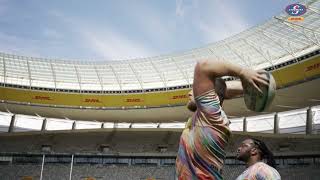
{"points": [[202, 143], [260, 171]]}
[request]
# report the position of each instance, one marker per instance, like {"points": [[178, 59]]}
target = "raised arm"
{"points": [[207, 70]]}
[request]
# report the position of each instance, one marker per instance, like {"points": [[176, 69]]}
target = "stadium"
{"points": [[92, 120]]}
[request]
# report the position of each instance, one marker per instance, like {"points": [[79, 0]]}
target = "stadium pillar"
{"points": [[12, 122], [244, 124], [74, 125], [276, 124], [44, 124], [309, 122], [42, 164], [71, 167]]}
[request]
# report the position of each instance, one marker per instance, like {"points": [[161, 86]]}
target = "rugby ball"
{"points": [[256, 101]]}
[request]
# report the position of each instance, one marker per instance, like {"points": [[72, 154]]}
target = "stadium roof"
{"points": [[265, 45]]}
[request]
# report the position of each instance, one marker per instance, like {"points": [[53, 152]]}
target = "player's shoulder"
{"points": [[208, 99], [262, 165], [267, 171], [210, 93]]}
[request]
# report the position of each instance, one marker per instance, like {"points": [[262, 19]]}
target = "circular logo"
{"points": [[296, 9]]}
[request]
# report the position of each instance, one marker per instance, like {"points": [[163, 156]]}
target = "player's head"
{"points": [[254, 149], [191, 103], [219, 87]]}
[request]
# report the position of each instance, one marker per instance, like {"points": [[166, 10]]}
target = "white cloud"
{"points": [[180, 10], [228, 22], [156, 26], [106, 42], [216, 20], [185, 6], [211, 33], [114, 46]]}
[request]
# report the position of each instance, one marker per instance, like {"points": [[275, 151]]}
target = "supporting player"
{"points": [[202, 144], [252, 152]]}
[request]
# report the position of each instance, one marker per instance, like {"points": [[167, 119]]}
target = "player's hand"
{"points": [[253, 78]]}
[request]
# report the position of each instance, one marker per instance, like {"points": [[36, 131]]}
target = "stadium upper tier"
{"points": [[262, 46]]}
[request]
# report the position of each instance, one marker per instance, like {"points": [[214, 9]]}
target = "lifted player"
{"points": [[202, 144]]}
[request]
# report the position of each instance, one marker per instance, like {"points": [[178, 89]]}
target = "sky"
{"points": [[124, 29]]}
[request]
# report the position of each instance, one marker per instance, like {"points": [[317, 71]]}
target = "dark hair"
{"points": [[265, 152], [220, 88]]}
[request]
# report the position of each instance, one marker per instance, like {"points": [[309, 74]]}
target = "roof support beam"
{"points": [[53, 75], [99, 77], [251, 44], [220, 57], [279, 44], [238, 54], [313, 9], [4, 70], [297, 40], [294, 27], [136, 75], [259, 51], [78, 77], [117, 77], [160, 75], [29, 73], [214, 54], [314, 40], [181, 71]]}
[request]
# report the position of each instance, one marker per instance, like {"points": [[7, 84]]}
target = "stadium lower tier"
{"points": [[139, 154], [142, 142]]}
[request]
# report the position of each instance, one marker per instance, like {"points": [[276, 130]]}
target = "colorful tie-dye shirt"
{"points": [[202, 143], [260, 171]]}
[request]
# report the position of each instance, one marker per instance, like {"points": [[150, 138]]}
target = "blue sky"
{"points": [[124, 29]]}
